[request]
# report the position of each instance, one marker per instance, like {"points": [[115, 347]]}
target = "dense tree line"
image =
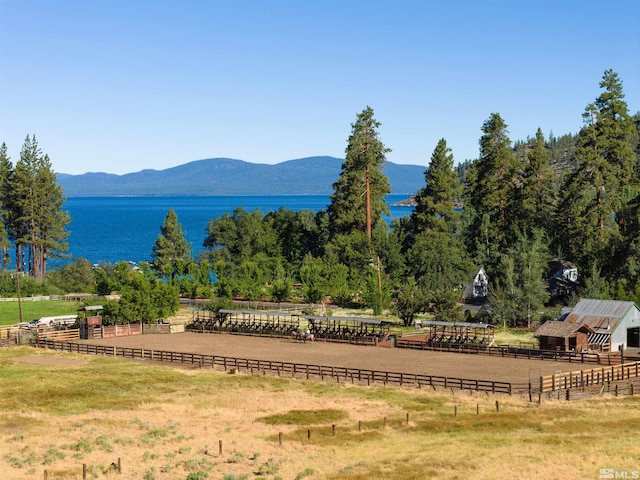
{"points": [[574, 197], [32, 218], [510, 211]]}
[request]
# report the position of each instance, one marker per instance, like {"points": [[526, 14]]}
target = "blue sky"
{"points": [[119, 86]]}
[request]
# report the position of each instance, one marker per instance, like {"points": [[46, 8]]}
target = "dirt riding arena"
{"points": [[517, 371]]}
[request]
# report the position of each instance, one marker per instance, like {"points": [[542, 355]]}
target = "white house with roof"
{"points": [[613, 323]]}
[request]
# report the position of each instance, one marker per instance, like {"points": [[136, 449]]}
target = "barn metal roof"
{"points": [[600, 314], [90, 308]]}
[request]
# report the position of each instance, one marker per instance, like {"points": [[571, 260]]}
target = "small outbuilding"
{"points": [[556, 335]]}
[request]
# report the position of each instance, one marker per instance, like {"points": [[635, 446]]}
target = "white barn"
{"points": [[615, 323]]}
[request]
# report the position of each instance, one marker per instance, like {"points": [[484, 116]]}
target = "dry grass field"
{"points": [[60, 411]]}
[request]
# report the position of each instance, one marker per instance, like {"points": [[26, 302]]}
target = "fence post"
{"points": [[219, 447]]}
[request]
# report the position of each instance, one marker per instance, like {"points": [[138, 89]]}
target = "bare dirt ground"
{"points": [[468, 366]]}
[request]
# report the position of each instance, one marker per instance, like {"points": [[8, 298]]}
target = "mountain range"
{"points": [[226, 176]]}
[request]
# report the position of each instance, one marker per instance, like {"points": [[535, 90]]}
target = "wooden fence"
{"points": [[612, 358], [60, 335], [9, 336], [5, 332], [586, 378], [294, 370]]}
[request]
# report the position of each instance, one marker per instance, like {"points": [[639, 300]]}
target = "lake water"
{"points": [[114, 229]]}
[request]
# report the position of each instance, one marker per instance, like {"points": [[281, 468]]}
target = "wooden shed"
{"points": [[556, 335]]}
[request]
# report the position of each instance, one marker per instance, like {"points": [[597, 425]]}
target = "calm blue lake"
{"points": [[114, 229]]}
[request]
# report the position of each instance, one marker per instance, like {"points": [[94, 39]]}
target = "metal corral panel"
{"points": [[444, 323], [343, 319], [255, 312]]}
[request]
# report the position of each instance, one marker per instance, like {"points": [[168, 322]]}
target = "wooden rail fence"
{"points": [[585, 378], [513, 352], [60, 335], [295, 370]]}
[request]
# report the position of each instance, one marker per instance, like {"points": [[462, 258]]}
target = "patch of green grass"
{"points": [[196, 464], [103, 384], [53, 454], [514, 336], [200, 475], [307, 472], [10, 311], [103, 443], [24, 458], [304, 417]]}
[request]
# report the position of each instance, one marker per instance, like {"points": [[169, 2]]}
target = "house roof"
{"points": [[554, 328], [600, 314], [560, 264]]}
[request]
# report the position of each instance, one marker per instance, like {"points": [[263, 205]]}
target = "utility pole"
{"points": [[18, 291]]}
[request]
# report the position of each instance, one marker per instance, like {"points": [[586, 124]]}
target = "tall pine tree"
{"points": [[536, 200], [490, 193], [435, 202], [593, 193], [358, 201], [171, 252], [6, 173], [38, 221]]}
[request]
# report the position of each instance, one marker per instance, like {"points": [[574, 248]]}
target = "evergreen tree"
{"points": [[437, 260], [171, 253], [504, 293], [592, 202], [435, 202], [6, 173], [531, 256], [490, 193], [38, 224], [536, 201], [518, 290], [358, 200], [629, 251]]}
